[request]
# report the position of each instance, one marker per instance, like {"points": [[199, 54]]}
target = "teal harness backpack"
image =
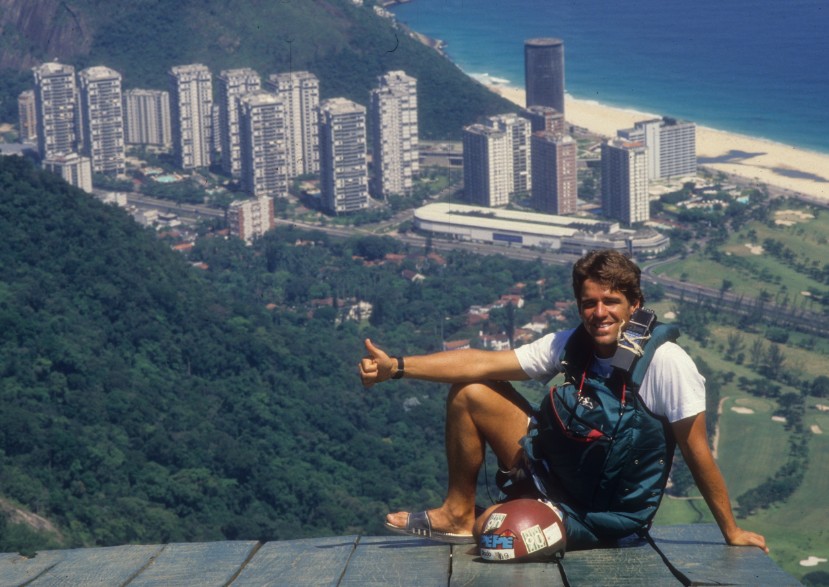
{"points": [[597, 451]]}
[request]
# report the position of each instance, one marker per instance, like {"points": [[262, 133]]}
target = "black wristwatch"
{"points": [[399, 373]]}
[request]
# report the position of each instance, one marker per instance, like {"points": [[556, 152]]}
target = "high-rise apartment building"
{"points": [[496, 159], [487, 165], [57, 110], [545, 118], [625, 181], [262, 145], [671, 145], [27, 117], [191, 109], [518, 131], [395, 143], [74, 168], [103, 116], [232, 84], [300, 92], [554, 169], [544, 72], [147, 118], [343, 156], [248, 219]]}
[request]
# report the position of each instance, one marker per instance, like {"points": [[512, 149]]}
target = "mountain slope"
{"points": [[144, 400], [346, 46], [138, 403]]}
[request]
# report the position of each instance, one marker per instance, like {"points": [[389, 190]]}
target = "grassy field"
{"points": [[750, 270], [752, 446]]}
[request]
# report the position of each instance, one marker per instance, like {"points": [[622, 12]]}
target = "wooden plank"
{"points": [[97, 566], [16, 569], [634, 563], [699, 552], [312, 562], [398, 560], [470, 569], [203, 564]]}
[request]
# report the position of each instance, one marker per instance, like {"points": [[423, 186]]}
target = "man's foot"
{"points": [[420, 524]]}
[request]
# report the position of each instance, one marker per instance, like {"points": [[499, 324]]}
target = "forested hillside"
{"points": [[145, 400], [346, 46]]}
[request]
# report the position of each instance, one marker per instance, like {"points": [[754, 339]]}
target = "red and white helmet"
{"points": [[523, 528]]}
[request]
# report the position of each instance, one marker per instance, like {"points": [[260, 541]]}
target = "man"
{"points": [[536, 444]]}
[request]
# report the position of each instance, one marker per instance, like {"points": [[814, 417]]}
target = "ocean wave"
{"points": [[489, 80]]}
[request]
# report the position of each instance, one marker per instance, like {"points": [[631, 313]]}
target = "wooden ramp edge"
{"points": [[678, 555]]}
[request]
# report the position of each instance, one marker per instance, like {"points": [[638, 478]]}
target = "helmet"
{"points": [[523, 529]]}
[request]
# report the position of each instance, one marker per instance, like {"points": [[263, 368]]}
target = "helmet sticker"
{"points": [[534, 539], [494, 521]]}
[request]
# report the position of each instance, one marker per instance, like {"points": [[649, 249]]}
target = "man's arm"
{"points": [[447, 366], [693, 443]]}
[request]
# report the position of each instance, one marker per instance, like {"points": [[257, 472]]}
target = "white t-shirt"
{"points": [[672, 386]]}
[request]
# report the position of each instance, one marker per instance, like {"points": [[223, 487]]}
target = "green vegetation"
{"points": [[346, 46], [776, 469], [144, 400], [148, 401]]}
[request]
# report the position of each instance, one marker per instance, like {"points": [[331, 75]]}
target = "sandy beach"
{"points": [[782, 166]]}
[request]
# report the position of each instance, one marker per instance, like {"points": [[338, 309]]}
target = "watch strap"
{"points": [[399, 373]]}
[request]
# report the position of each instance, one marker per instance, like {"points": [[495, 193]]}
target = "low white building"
{"points": [[566, 234]]}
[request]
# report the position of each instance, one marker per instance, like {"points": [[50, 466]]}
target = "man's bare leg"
{"points": [[477, 414]]}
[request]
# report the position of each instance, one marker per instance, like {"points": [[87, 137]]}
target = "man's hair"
{"points": [[611, 269]]}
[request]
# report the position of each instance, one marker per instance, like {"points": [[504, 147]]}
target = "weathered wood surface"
{"points": [[697, 552], [683, 555]]}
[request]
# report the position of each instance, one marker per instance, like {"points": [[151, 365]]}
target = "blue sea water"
{"points": [[755, 67]]}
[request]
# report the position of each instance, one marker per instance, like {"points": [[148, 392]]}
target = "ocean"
{"points": [[754, 67]]}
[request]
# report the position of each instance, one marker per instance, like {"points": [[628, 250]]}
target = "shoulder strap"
{"points": [[576, 354], [660, 334]]}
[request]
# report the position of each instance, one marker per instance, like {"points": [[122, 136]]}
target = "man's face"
{"points": [[603, 312]]}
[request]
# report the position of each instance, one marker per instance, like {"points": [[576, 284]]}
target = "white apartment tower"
{"points": [[57, 111], [262, 145], [147, 118], [232, 85], [554, 171], [191, 107], [395, 134], [519, 131], [300, 92], [103, 116], [487, 165], [625, 181], [75, 169], [343, 157], [671, 145], [248, 219], [27, 116]]}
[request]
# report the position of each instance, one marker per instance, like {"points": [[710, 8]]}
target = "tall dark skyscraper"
{"points": [[544, 72]]}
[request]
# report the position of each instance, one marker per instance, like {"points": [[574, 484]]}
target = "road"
{"points": [[769, 311]]}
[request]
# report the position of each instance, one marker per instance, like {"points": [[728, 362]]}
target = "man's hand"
{"points": [[376, 366], [745, 538]]}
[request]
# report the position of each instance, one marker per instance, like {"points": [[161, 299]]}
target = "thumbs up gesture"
{"points": [[376, 366]]}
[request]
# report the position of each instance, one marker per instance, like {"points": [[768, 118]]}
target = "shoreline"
{"points": [[795, 171]]}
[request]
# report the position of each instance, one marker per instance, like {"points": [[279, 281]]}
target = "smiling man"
{"points": [[599, 447]]}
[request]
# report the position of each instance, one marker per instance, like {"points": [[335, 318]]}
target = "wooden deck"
{"points": [[686, 555]]}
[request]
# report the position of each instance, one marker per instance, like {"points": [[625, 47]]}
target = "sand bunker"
{"points": [[791, 217], [780, 419], [754, 249], [812, 561], [740, 410], [815, 429]]}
